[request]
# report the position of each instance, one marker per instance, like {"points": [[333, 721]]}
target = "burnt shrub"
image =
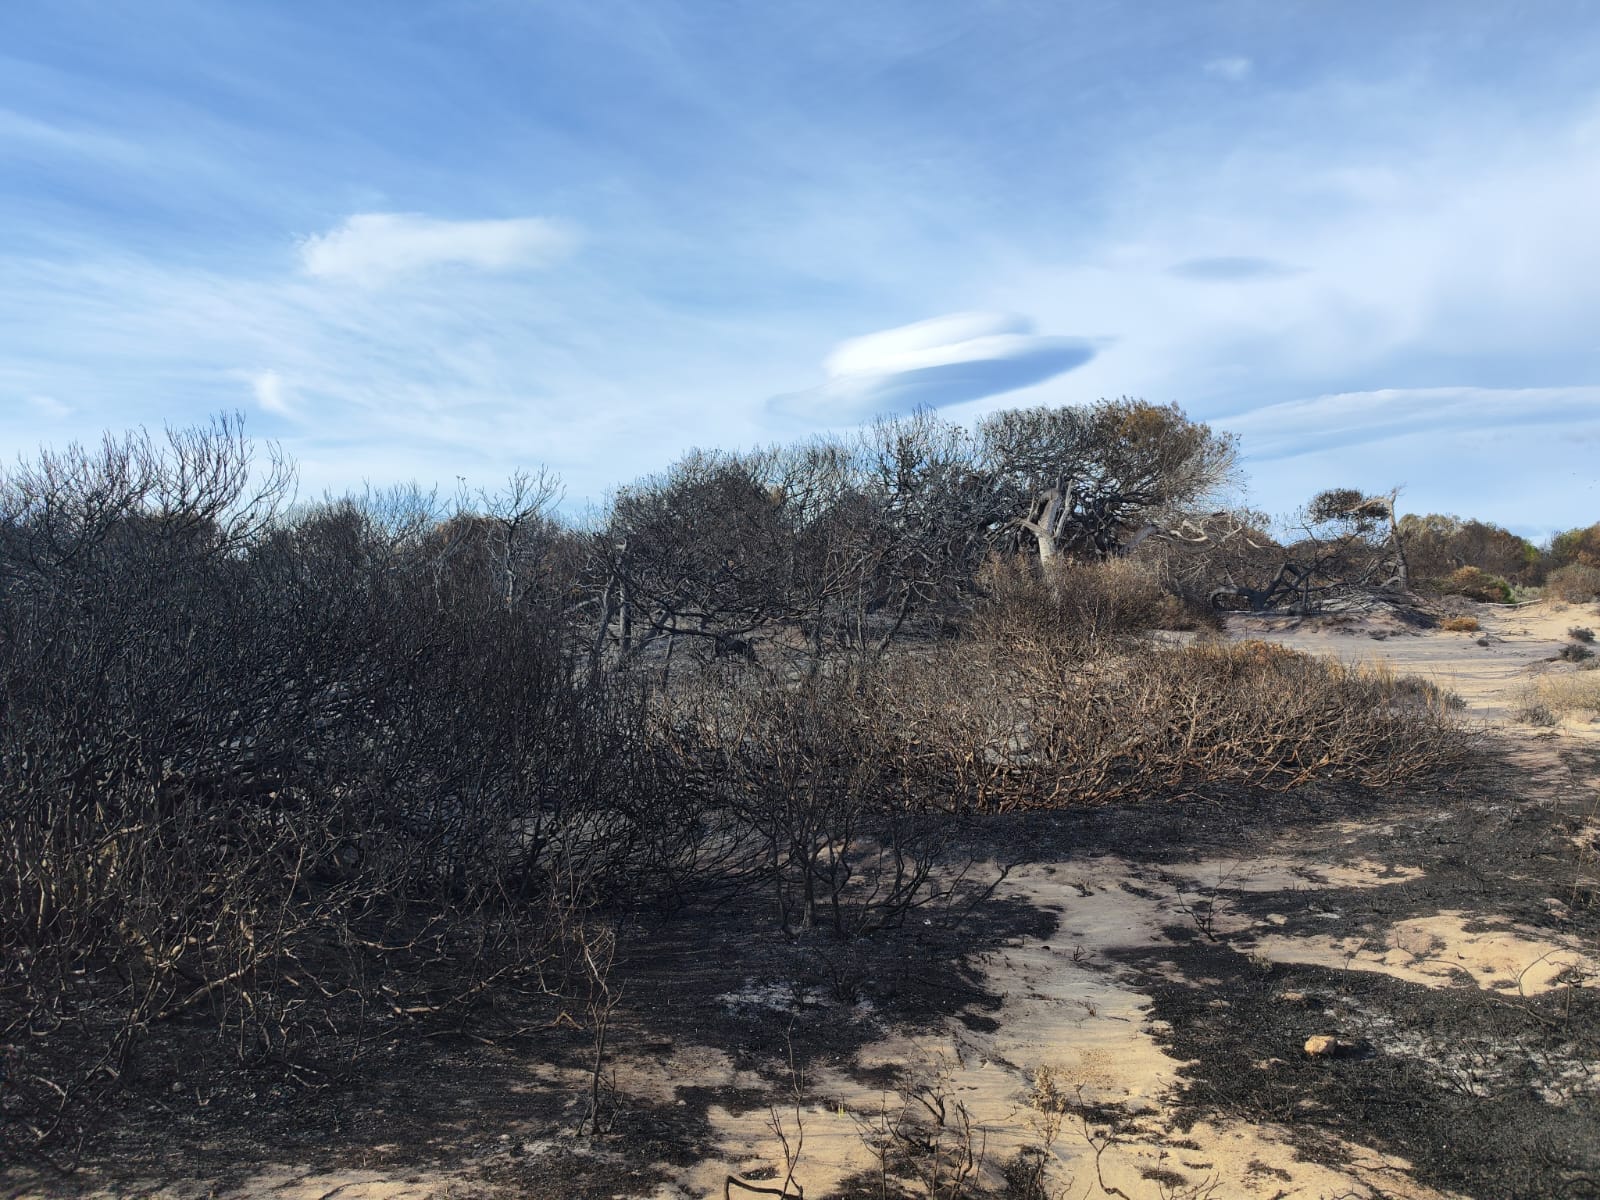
{"points": [[268, 786], [813, 798], [1067, 608]]}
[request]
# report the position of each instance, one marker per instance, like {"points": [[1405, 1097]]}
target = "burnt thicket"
{"points": [[307, 778]]}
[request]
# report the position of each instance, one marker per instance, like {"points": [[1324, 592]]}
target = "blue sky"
{"points": [[416, 239]]}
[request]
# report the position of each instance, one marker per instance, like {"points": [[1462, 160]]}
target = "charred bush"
{"points": [[293, 777], [1068, 609], [811, 779]]}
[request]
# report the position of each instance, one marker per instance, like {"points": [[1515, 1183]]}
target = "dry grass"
{"points": [[1460, 625], [1550, 697]]}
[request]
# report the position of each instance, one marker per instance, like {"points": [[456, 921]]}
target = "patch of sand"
{"points": [[341, 1185], [1284, 874], [1441, 951], [1494, 680], [1072, 1013], [1069, 1010]]}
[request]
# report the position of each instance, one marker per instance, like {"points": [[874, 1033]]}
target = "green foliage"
{"points": [[1580, 546], [1437, 544], [1475, 584], [1113, 466]]}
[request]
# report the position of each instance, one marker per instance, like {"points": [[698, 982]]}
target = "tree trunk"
{"points": [[1402, 571], [624, 601], [1048, 515]]}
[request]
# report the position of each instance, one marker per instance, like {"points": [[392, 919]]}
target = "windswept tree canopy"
{"points": [[1344, 543], [1092, 480], [848, 538]]}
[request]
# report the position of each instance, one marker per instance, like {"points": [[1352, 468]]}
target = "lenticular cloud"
{"points": [[930, 364]]}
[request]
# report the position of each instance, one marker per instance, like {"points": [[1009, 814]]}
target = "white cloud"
{"points": [[1233, 68], [372, 248], [946, 360], [1232, 268], [272, 393], [49, 406], [1477, 265], [28, 133], [1512, 455], [941, 341], [1357, 418]]}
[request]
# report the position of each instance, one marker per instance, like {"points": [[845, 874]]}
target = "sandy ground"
{"points": [[1071, 1018], [1495, 679], [1072, 1070]]}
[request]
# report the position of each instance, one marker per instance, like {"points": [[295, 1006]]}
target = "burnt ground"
{"points": [[1459, 1080], [1487, 1092], [442, 1098]]}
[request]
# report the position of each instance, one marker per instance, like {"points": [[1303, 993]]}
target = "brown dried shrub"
{"points": [[1068, 608], [1460, 625], [1575, 583], [1475, 584], [1204, 719]]}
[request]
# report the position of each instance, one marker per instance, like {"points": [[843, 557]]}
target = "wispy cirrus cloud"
{"points": [[1230, 268], [369, 249], [946, 360], [1528, 452], [1233, 67], [48, 407], [22, 133], [272, 393], [1349, 419], [1374, 203]]}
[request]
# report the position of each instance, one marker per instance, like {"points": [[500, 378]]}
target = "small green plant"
{"points": [[1579, 634]]}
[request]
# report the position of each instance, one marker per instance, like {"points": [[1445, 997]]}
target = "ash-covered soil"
{"points": [[1160, 967]]}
